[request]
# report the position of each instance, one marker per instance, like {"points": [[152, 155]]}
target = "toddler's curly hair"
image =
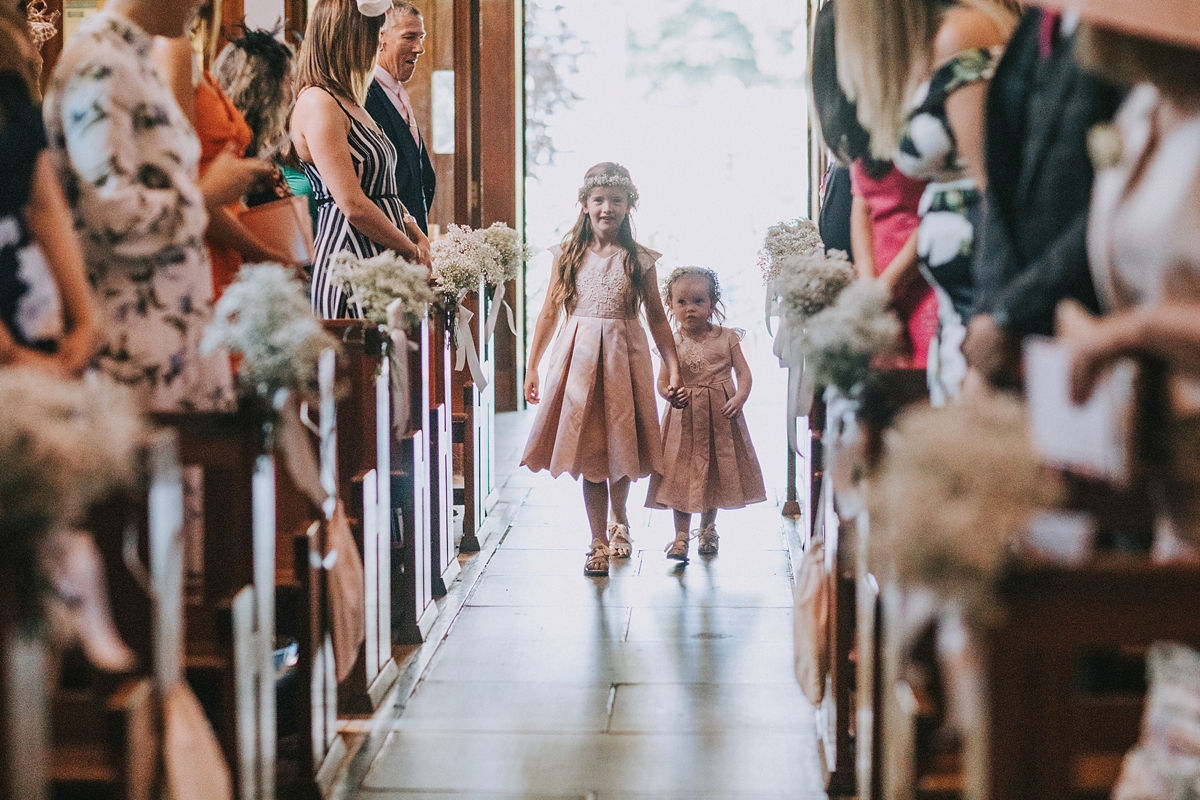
{"points": [[714, 289]]}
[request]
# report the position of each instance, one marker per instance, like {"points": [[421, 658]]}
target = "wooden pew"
{"points": [[312, 748], [365, 470], [848, 740], [415, 611], [439, 371], [1049, 736], [230, 613], [105, 728]]}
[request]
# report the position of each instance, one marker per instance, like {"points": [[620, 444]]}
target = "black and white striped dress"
{"points": [[375, 163]]}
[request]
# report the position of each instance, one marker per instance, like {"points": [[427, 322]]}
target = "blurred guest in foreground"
{"points": [[1031, 250], [918, 72], [127, 158], [46, 306]]}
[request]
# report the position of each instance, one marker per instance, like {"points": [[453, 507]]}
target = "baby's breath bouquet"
{"points": [[265, 317], [846, 337], [787, 240], [512, 253], [376, 283], [460, 259], [952, 495], [63, 445], [808, 284]]}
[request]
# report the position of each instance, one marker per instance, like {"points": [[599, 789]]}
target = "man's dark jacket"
{"points": [[1031, 250], [415, 179]]}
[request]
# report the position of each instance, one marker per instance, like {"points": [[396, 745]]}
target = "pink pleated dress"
{"points": [[708, 461], [598, 418]]}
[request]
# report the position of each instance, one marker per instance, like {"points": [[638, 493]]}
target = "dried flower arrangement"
{"points": [[808, 284], [952, 495], [512, 250], [265, 317], [376, 283], [797, 238], [464, 256], [845, 338]]}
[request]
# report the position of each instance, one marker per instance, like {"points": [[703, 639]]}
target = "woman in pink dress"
{"points": [[884, 212], [599, 420], [883, 229]]}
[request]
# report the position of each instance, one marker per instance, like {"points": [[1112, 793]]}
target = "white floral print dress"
{"points": [[128, 161], [949, 212]]}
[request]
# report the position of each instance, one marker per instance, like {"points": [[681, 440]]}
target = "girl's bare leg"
{"points": [[595, 500], [618, 496], [678, 549], [708, 533], [620, 543]]}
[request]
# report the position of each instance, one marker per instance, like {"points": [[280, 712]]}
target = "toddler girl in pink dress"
{"points": [[597, 418], [708, 459]]}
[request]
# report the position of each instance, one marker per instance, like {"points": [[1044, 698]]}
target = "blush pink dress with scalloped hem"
{"points": [[598, 418], [709, 461]]}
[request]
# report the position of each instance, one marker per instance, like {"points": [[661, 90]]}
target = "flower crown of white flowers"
{"points": [[609, 181]]}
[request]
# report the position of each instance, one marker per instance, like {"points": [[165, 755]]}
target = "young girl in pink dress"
{"points": [[708, 459], [599, 418]]}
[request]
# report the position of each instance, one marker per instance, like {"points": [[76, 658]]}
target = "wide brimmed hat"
{"points": [[1173, 21]]}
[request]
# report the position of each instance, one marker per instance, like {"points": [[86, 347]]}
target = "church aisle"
{"points": [[659, 681]]}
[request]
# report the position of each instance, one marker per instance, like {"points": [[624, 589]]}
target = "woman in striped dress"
{"points": [[350, 162]]}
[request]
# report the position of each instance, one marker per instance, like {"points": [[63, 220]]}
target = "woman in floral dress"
{"points": [[127, 158]]}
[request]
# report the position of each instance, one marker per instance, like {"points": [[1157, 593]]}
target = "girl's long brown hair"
{"points": [[575, 246], [338, 54]]}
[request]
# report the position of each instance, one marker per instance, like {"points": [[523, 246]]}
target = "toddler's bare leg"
{"points": [[708, 518], [595, 500], [683, 523], [618, 494], [708, 533]]}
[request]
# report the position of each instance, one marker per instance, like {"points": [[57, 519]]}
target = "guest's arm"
{"points": [[174, 60], [224, 229], [741, 371], [664, 339], [53, 229], [547, 321], [903, 267], [862, 238], [324, 128], [1170, 332]]}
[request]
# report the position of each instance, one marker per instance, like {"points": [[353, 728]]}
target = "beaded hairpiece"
{"points": [[609, 181], [43, 24]]}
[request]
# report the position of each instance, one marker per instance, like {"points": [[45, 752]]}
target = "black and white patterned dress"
{"points": [[375, 163]]}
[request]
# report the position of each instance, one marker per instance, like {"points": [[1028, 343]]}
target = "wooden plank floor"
{"points": [[658, 681]]}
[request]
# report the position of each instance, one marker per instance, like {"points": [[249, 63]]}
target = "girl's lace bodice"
{"points": [[602, 288], [708, 362]]}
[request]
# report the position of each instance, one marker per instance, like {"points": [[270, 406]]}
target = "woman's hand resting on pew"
{"points": [[1170, 332]]}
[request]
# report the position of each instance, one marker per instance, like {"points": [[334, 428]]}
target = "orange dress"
{"points": [[218, 125]]}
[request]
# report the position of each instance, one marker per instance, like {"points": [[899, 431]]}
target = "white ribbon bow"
{"points": [[398, 352], [789, 349], [464, 343], [494, 314]]}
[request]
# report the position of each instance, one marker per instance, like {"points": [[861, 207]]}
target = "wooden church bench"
{"points": [[365, 470]]}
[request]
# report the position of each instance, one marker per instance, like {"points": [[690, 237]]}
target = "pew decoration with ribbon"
{"points": [[265, 318], [63, 446], [463, 259], [392, 292], [802, 280]]}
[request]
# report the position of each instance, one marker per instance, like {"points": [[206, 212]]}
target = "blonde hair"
{"points": [[575, 245], [884, 48], [339, 50]]}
